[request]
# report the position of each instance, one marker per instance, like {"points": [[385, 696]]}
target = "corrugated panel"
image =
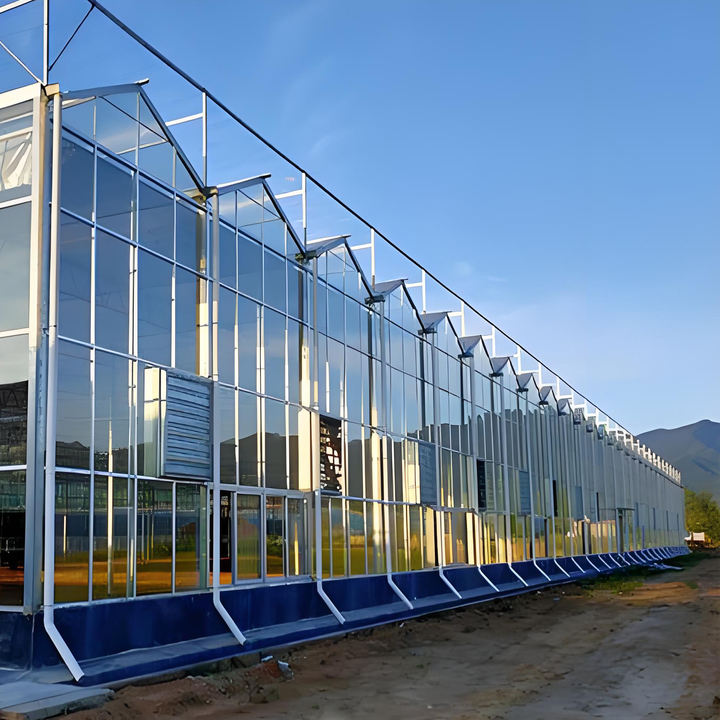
{"points": [[187, 428]]}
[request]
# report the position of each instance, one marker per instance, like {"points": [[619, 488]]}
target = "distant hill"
{"points": [[692, 449]]}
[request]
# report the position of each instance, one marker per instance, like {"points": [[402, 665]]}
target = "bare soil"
{"points": [[638, 646]]}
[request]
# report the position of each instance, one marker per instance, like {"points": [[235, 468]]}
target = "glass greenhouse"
{"points": [[224, 426]]}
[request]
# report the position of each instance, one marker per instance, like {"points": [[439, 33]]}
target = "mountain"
{"points": [[692, 449]]}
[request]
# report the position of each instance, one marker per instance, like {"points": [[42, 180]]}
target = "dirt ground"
{"points": [[639, 646]]}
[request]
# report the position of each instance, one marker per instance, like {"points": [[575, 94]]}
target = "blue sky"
{"points": [[557, 163]]}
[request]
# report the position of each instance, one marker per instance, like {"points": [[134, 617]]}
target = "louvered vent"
{"points": [[187, 430]]}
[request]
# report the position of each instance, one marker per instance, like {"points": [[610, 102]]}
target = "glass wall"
{"points": [[16, 151], [412, 450]]}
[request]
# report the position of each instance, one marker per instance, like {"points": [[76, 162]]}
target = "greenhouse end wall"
{"points": [[233, 421]]}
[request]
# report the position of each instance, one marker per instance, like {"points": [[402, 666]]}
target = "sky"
{"points": [[557, 163]]}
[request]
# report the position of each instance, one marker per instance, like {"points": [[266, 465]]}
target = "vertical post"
{"points": [[204, 138], [46, 42], [372, 257]]}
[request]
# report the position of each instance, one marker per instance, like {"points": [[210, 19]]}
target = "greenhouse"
{"points": [[225, 426]]}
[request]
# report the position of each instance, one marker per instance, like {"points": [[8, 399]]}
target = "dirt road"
{"points": [[619, 648]]}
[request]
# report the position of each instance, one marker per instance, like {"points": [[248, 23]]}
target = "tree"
{"points": [[702, 514]]}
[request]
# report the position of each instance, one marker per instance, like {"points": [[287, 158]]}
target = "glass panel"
{"points": [[190, 247], [190, 536], [14, 266], [226, 432], [112, 517], [226, 537], [226, 336], [356, 520], [248, 536], [13, 400], [155, 220], [74, 398], [274, 235], [296, 292], [275, 452], [112, 292], [154, 537], [338, 537], [149, 388], [274, 354], [249, 267], [274, 281], [227, 259], [190, 322], [12, 537], [297, 538], [274, 537], [112, 412], [154, 308], [415, 533], [247, 439], [248, 314], [116, 128], [296, 353], [115, 196], [72, 537], [76, 180], [15, 158], [75, 258], [375, 538]]}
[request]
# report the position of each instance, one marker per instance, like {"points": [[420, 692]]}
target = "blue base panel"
{"points": [[142, 636]]}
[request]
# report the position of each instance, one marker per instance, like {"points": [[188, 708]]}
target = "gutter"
{"points": [[51, 428]]}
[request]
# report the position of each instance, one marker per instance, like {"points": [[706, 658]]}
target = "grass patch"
{"points": [[691, 584]]}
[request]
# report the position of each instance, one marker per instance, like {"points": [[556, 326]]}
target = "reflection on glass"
{"points": [[154, 308], [227, 260], [74, 398], [226, 336], [247, 439], [77, 179], [248, 536], [111, 522], [155, 220], [338, 537], [296, 292], [72, 537], [274, 281], [112, 292], [115, 196], [190, 322], [12, 537], [375, 538], [275, 452], [112, 412], [190, 536], [274, 534], [356, 528], [154, 537], [248, 314], [274, 346], [149, 397], [13, 400], [225, 399], [14, 266], [296, 537], [190, 247], [74, 291], [249, 267]]}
